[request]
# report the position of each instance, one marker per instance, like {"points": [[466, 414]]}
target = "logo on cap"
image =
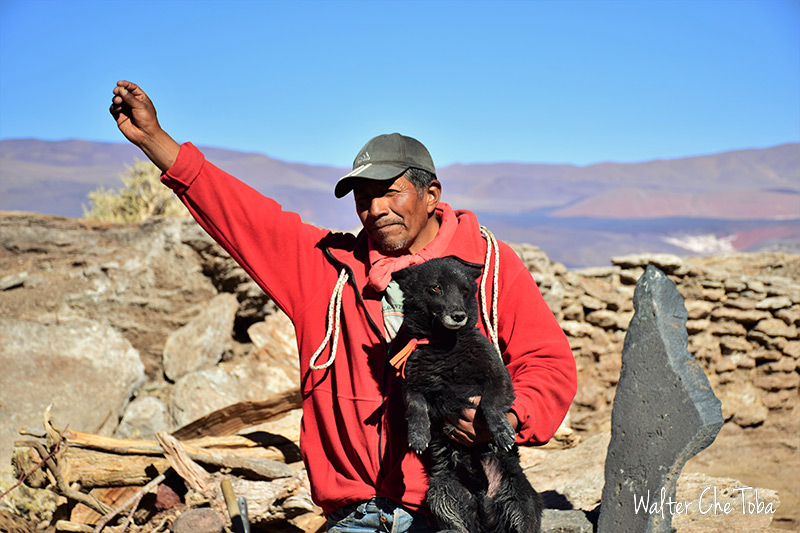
{"points": [[362, 158]]}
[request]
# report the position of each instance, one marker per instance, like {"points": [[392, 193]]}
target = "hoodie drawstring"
{"points": [[335, 305]]}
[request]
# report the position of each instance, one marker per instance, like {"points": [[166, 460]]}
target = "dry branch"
{"points": [[63, 488], [191, 472]]}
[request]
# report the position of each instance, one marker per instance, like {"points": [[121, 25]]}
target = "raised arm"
{"points": [[136, 119]]}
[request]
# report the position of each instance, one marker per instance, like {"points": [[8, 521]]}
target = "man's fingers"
{"points": [[456, 434], [126, 96], [130, 86], [130, 93]]}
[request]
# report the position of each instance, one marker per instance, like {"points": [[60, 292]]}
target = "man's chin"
{"points": [[389, 244]]}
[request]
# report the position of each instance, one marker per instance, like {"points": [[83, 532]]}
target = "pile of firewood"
{"points": [[210, 475]]}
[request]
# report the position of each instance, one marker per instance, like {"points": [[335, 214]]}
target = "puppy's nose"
{"points": [[454, 320], [459, 317]]}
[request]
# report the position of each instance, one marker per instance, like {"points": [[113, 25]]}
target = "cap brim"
{"points": [[369, 171]]}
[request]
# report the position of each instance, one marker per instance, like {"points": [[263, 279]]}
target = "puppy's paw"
{"points": [[505, 437], [419, 440]]}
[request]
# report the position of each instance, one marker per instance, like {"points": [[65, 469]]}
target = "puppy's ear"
{"points": [[401, 275], [472, 271]]}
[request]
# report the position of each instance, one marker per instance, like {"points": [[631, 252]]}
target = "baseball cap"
{"points": [[386, 157]]}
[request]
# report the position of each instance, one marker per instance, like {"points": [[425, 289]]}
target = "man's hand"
{"points": [[136, 118], [470, 428]]}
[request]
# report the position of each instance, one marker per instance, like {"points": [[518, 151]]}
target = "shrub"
{"points": [[142, 197]]}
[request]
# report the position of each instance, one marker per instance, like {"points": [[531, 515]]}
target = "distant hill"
{"points": [[744, 200]]}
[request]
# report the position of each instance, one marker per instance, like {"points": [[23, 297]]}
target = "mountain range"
{"points": [[743, 200]]}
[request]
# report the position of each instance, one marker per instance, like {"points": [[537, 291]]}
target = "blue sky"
{"points": [[578, 81]]}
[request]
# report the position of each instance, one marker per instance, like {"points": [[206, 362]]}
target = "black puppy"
{"points": [[471, 490]]}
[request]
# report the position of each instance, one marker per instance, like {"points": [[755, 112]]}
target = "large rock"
{"points": [[276, 342], [199, 393], [555, 521], [664, 409], [575, 475], [144, 417], [722, 504], [86, 369], [201, 343]]}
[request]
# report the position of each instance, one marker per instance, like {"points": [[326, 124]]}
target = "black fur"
{"points": [[439, 303]]}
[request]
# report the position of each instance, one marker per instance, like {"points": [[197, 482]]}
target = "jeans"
{"points": [[378, 515]]}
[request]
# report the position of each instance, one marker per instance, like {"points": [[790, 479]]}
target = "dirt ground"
{"points": [[764, 456]]}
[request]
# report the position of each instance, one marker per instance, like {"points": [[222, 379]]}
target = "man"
{"points": [[353, 434]]}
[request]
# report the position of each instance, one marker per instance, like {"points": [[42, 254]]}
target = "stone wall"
{"points": [[744, 312]]}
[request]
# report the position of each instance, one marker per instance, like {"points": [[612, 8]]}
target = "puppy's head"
{"points": [[439, 294]]}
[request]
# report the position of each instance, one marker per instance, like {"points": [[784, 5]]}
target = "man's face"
{"points": [[395, 215]]}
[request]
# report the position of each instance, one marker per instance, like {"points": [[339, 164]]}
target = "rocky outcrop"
{"points": [[141, 283]]}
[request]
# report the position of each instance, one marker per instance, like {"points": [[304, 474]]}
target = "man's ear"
{"points": [[433, 194]]}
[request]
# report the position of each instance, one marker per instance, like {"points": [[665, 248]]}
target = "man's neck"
{"points": [[425, 236]]}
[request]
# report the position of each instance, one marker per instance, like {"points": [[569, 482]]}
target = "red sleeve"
{"points": [[274, 246], [536, 352]]}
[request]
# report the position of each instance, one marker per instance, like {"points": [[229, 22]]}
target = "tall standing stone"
{"points": [[664, 411]]}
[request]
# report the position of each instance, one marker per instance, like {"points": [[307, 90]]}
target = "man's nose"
{"points": [[378, 206]]}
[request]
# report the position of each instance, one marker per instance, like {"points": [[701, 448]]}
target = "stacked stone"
{"points": [[743, 326]]}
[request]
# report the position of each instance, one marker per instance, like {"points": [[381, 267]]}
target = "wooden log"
{"points": [[240, 460], [93, 469], [278, 500], [263, 446], [98, 461]]}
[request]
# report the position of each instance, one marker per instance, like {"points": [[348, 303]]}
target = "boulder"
{"points": [[201, 343], [144, 417], [575, 475], [199, 393], [86, 369], [276, 343], [722, 504]]}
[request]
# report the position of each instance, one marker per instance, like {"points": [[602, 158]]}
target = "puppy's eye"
{"points": [[464, 291], [436, 290]]}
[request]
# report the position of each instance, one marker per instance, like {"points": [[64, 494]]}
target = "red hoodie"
{"points": [[353, 434]]}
